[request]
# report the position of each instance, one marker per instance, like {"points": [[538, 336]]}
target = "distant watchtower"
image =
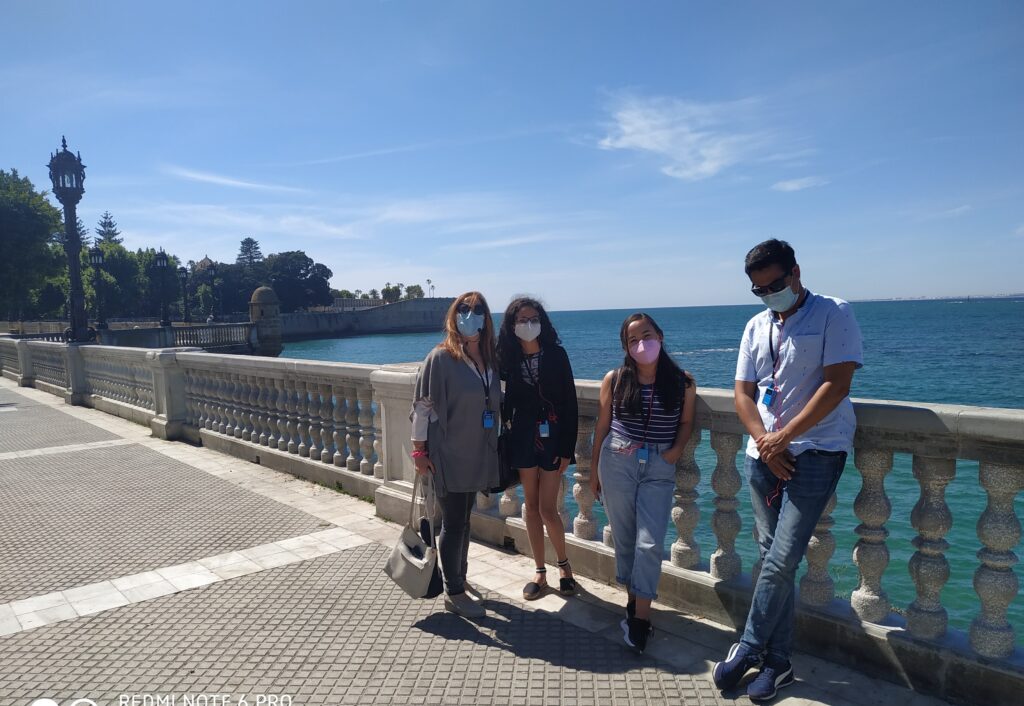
{"points": [[265, 312]]}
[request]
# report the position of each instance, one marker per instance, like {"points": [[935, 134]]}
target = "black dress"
{"points": [[551, 399]]}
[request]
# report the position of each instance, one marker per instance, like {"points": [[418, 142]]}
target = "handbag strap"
{"points": [[425, 484]]}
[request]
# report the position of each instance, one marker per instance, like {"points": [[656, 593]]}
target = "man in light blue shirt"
{"points": [[793, 377]]}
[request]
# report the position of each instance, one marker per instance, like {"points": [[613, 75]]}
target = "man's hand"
{"points": [[781, 466], [772, 444]]}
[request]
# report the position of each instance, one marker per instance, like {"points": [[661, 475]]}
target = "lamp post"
{"points": [[186, 314], [161, 268], [67, 174], [212, 269], [96, 260]]}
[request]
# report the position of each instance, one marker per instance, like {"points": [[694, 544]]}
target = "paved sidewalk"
{"points": [[133, 568]]}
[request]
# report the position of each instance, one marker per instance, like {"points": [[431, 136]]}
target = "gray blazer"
{"points": [[463, 452]]}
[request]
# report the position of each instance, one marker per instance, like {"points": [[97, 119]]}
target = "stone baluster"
{"points": [[240, 398], [274, 404], [378, 442], [484, 501], [563, 511], [931, 517], [216, 408], [227, 423], [340, 425], [871, 554], [366, 432], [816, 586], [287, 442], [314, 421], [326, 423], [686, 513], [264, 403], [725, 481], [508, 504], [192, 410], [251, 432], [584, 525], [302, 417], [995, 581], [352, 423], [206, 382]]}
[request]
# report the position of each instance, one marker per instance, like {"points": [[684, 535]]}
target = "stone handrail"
{"points": [[49, 363], [214, 335], [347, 426]]}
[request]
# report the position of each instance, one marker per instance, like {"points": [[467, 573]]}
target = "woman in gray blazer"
{"points": [[455, 421]]}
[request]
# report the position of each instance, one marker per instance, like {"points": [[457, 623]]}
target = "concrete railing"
{"points": [[216, 336], [347, 426]]}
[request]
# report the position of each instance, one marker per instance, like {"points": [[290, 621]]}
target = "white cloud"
{"points": [[800, 184], [208, 178], [698, 140]]}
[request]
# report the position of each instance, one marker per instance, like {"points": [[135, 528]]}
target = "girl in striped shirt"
{"points": [[644, 422]]}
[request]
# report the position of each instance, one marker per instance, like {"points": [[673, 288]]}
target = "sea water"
{"points": [[956, 351]]}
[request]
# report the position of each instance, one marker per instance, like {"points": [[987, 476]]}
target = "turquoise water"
{"points": [[951, 351]]}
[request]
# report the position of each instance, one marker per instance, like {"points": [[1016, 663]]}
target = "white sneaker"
{"points": [[462, 604]]}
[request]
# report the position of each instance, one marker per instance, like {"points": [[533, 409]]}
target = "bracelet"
{"points": [[419, 454]]}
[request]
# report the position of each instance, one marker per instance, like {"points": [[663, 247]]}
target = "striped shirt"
{"points": [[662, 427]]}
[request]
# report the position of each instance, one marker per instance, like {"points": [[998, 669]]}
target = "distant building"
{"points": [[352, 304]]}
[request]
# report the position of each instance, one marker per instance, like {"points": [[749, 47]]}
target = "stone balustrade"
{"points": [[347, 426], [215, 335]]}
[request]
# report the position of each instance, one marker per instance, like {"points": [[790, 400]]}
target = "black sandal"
{"points": [[533, 590], [566, 586]]}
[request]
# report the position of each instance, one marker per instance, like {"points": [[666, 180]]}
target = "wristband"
{"points": [[419, 454]]}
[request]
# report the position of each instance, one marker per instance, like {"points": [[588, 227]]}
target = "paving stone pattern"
{"points": [[333, 630], [35, 426], [71, 519]]}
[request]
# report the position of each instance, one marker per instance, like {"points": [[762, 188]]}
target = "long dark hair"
{"points": [[670, 381], [510, 352]]}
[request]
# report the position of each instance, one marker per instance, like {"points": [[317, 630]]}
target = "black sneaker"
{"points": [[635, 632], [738, 662], [774, 675], [631, 608]]}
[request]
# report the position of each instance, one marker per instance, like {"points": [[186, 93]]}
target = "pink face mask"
{"points": [[645, 352]]}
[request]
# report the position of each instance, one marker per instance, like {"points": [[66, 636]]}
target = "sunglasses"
{"points": [[772, 287], [466, 308], [535, 320]]}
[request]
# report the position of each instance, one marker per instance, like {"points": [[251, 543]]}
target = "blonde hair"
{"points": [[454, 341]]}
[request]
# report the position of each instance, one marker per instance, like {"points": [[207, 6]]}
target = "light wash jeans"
{"points": [[785, 513], [638, 500]]}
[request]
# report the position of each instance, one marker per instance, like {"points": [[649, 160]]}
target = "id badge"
{"points": [[544, 429], [769, 396], [488, 419], [642, 454]]}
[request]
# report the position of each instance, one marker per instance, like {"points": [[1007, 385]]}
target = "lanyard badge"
{"points": [[642, 454], [488, 419]]}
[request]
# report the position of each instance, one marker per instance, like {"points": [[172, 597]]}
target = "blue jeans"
{"points": [[785, 514], [638, 500]]}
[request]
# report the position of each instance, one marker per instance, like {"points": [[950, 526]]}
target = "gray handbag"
{"points": [[413, 562]]}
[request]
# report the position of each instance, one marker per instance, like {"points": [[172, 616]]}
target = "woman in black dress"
{"points": [[540, 402]]}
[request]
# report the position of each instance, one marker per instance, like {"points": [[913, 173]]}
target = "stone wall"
{"points": [[407, 316]]}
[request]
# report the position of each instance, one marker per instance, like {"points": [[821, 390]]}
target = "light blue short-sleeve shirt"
{"points": [[823, 331]]}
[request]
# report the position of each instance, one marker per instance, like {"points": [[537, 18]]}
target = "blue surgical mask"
{"points": [[780, 301], [469, 324]]}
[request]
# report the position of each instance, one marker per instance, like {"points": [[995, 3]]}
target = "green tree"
{"points": [[413, 291], [249, 254], [27, 226], [107, 231], [298, 281], [374, 294], [391, 293]]}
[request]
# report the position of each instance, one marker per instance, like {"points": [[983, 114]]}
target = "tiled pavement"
{"points": [[158, 569]]}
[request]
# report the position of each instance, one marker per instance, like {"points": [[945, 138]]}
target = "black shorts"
{"points": [[529, 450]]}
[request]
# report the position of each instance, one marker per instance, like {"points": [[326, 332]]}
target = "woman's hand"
{"points": [[564, 464], [672, 455], [423, 465]]}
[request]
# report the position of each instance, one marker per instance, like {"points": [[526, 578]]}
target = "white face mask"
{"points": [[528, 331], [780, 301]]}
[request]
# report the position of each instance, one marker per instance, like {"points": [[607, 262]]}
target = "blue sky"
{"points": [[596, 154]]}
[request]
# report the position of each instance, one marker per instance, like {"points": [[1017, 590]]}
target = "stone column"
{"points": [[816, 586], [686, 513], [28, 375], [340, 426], [871, 554], [366, 433], [327, 423], [169, 394], [995, 581], [352, 422], [926, 618], [315, 406], [302, 418]]}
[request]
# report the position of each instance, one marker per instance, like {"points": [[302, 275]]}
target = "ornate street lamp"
{"points": [[96, 260], [67, 174], [212, 269], [186, 314], [161, 268]]}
